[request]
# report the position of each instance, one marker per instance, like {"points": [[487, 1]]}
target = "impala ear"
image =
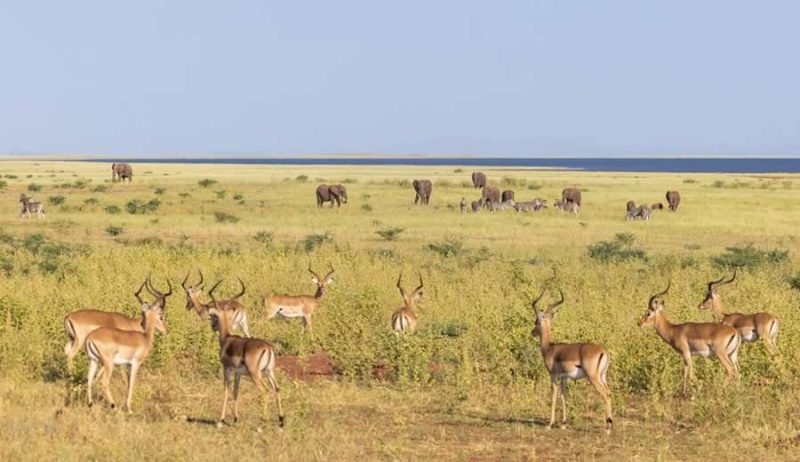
{"points": [[329, 280], [314, 280], [213, 312]]}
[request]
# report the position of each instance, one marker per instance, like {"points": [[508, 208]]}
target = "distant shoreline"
{"points": [[643, 165]]}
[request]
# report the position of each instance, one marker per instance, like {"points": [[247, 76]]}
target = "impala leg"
{"points": [[225, 394], [605, 393], [276, 391], [236, 379], [107, 384], [726, 363], [90, 378], [131, 381], [554, 386], [564, 403], [687, 371]]}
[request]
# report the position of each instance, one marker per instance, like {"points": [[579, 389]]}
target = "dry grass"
{"points": [[469, 385]]}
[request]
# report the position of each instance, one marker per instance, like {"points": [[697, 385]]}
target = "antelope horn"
{"points": [[536, 301], [200, 284], [421, 284], [138, 293], [330, 273], [183, 283], [654, 296], [711, 284], [555, 304], [149, 286], [312, 272], [211, 294], [731, 279], [399, 282], [240, 293]]}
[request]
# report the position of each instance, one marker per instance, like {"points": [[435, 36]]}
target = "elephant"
{"points": [[423, 189], [121, 172], [507, 195], [674, 199], [331, 193], [490, 194], [478, 180], [571, 195]]}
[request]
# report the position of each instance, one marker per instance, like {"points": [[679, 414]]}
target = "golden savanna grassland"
{"points": [[469, 384]]}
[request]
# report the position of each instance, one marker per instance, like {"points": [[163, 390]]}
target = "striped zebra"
{"points": [[29, 207]]}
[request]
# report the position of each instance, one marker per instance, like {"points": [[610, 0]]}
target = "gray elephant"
{"points": [[673, 199], [571, 195], [478, 179], [121, 172], [331, 193], [490, 194], [423, 189]]}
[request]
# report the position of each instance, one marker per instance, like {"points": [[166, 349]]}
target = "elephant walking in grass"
{"points": [[331, 193]]}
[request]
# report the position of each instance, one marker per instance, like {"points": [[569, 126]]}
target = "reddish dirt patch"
{"points": [[309, 369]]}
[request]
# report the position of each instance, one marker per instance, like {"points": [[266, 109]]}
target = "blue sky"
{"points": [[501, 78]]}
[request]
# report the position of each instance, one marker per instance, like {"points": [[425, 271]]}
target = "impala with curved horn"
{"points": [[565, 361], [193, 293], [240, 355], [109, 346], [694, 338], [299, 306], [750, 326], [404, 319], [79, 324]]}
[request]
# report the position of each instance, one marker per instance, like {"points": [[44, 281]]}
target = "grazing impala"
{"points": [[296, 306], [565, 361], [694, 338], [107, 347], [79, 324], [240, 355], [232, 304], [404, 319], [750, 326]]}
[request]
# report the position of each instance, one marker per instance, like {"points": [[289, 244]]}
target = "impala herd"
{"points": [[115, 339]]}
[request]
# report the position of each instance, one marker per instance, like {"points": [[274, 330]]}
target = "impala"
{"points": [[232, 304], [565, 361], [239, 355], [694, 338], [404, 319], [296, 306], [750, 326], [79, 324], [107, 347]]}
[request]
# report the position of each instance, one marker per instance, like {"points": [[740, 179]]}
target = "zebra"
{"points": [[29, 206], [463, 205], [641, 212]]}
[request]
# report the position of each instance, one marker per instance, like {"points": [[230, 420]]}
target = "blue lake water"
{"points": [[677, 165]]}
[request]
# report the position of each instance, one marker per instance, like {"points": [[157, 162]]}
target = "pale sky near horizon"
{"points": [[501, 78]]}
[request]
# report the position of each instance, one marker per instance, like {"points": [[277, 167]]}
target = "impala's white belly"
{"points": [[290, 313], [575, 374], [120, 360], [704, 353], [750, 336]]}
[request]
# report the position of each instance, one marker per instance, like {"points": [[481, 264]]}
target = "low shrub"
{"points": [[113, 209], [224, 217], [138, 207], [448, 248], [390, 234], [114, 230], [619, 249], [314, 241], [33, 187], [748, 256], [56, 200], [264, 237], [206, 182]]}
